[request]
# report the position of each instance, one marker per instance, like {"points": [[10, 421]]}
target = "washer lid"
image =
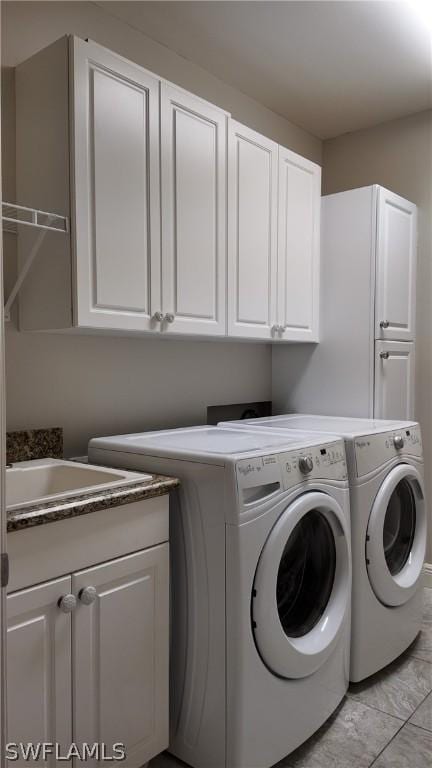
{"points": [[302, 586], [338, 425], [396, 536], [204, 440]]}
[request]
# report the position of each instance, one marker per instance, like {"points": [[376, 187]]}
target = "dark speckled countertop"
{"points": [[90, 501], [31, 444]]}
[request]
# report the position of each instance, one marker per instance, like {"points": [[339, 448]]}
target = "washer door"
{"points": [[302, 586], [396, 536]]}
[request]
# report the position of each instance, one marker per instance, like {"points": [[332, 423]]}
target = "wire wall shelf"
{"points": [[15, 215]]}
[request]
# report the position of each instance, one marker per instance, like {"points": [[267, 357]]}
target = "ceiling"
{"points": [[330, 67]]}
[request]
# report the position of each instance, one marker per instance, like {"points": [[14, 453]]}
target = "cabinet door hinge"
{"points": [[4, 569]]}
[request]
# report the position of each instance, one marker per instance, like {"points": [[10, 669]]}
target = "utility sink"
{"points": [[33, 482]]}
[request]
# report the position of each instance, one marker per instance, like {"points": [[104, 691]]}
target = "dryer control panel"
{"points": [[259, 476], [372, 451]]}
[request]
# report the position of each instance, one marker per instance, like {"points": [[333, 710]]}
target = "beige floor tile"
{"points": [[411, 748], [422, 646], [423, 715], [398, 689], [352, 738]]}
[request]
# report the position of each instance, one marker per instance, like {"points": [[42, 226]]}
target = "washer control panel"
{"points": [[326, 461], [371, 451], [322, 462]]}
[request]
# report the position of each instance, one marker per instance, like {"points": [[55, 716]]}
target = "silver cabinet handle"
{"points": [[169, 317], [158, 317], [67, 603], [384, 324], [384, 355], [277, 328], [87, 595]]}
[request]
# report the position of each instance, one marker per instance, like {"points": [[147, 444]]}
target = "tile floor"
{"points": [[384, 722]]}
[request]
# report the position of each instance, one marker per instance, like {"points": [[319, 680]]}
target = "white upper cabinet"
{"points": [[394, 380], [252, 233], [115, 118], [194, 189], [395, 267], [161, 240], [298, 247]]}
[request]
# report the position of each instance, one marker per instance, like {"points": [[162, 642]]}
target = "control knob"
{"points": [[305, 465], [398, 442]]}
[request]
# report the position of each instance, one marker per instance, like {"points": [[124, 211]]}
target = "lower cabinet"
{"points": [[39, 667], [394, 380], [88, 658]]}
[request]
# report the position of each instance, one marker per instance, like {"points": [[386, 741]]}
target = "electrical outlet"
{"points": [[217, 413]]}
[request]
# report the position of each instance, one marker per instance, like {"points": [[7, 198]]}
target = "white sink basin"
{"points": [[32, 482]]}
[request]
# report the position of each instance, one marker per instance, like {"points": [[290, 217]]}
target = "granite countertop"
{"points": [[90, 501]]}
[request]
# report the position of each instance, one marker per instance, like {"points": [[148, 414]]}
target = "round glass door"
{"points": [[399, 527], [302, 586], [396, 536], [306, 574]]}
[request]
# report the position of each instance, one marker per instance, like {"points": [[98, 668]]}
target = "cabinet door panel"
{"points": [[121, 655], [39, 702], [252, 233], [298, 246], [193, 146], [116, 164], [394, 380], [396, 267]]}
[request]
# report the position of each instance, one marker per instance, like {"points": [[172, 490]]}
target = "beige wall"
{"points": [[398, 155], [30, 26], [100, 385]]}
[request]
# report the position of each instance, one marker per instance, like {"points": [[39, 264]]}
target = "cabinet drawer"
{"points": [[47, 551]]}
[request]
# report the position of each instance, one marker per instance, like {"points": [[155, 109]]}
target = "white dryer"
{"points": [[388, 528], [261, 583]]}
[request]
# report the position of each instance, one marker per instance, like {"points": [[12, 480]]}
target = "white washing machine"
{"points": [[261, 583], [388, 529]]}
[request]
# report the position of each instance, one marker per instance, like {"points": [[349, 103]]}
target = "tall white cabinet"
{"points": [[396, 244], [364, 365]]}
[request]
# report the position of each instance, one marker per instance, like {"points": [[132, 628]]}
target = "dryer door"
{"points": [[396, 536], [302, 586]]}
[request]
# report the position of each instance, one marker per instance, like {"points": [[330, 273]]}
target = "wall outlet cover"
{"points": [[216, 413]]}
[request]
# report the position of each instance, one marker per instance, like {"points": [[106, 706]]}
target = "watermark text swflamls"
{"points": [[29, 752]]}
